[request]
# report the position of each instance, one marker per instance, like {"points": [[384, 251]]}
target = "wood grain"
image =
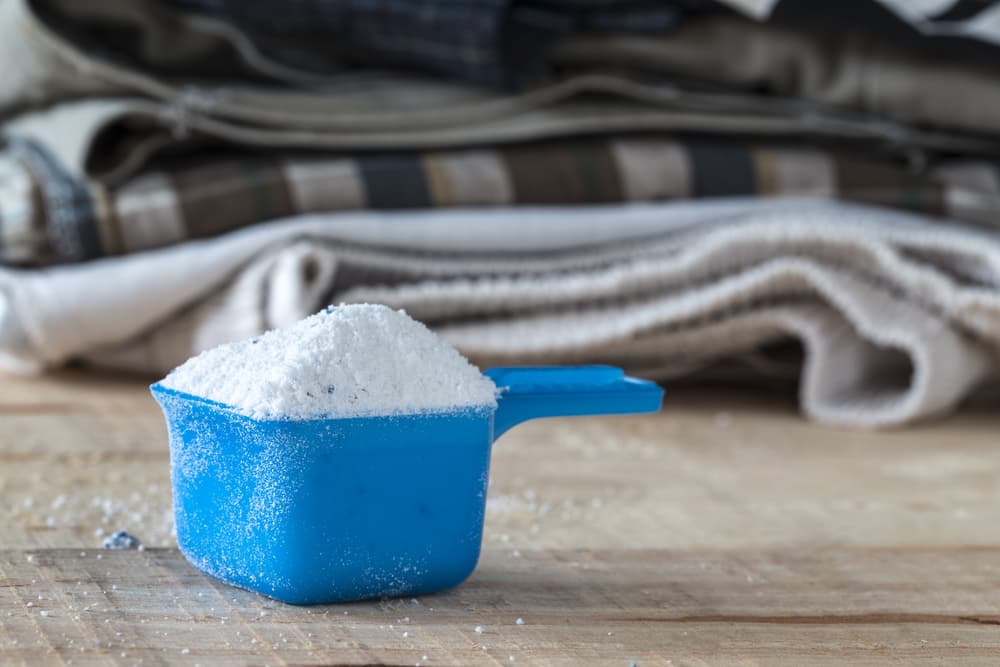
{"points": [[725, 531]]}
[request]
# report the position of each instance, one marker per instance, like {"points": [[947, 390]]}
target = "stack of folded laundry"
{"points": [[673, 186]]}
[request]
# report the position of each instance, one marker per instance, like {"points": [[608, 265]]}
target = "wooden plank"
{"points": [[725, 531], [803, 607]]}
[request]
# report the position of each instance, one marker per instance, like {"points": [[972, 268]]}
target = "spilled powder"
{"points": [[346, 361]]}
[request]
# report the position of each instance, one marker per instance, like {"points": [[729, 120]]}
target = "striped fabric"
{"points": [[47, 218]]}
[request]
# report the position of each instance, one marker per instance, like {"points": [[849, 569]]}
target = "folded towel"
{"points": [[899, 317], [186, 78], [823, 67], [49, 214], [493, 42], [951, 25]]}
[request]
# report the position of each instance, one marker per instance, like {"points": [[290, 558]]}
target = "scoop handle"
{"points": [[531, 392]]}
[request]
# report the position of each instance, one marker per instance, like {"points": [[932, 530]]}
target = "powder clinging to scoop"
{"points": [[346, 361]]}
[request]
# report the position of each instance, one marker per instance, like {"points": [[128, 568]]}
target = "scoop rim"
{"points": [[159, 388]]}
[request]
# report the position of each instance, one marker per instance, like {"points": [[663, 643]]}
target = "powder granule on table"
{"points": [[345, 361], [121, 540]]}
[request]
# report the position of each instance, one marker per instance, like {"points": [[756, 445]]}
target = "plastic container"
{"points": [[326, 510]]}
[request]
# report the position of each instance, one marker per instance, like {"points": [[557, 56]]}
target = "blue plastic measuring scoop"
{"points": [[327, 510]]}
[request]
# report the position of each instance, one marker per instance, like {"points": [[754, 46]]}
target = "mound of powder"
{"points": [[345, 361]]}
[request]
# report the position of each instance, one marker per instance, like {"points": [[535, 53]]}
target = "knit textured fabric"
{"points": [[899, 317]]}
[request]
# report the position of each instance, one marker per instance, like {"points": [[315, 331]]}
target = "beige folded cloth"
{"points": [[826, 68], [899, 317]]}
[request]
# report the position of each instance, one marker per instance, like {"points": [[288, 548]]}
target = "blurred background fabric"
{"points": [[668, 185]]}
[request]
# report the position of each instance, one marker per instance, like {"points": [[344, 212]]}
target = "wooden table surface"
{"points": [[725, 531]]}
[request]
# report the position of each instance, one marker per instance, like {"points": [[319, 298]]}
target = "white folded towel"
{"points": [[899, 315]]}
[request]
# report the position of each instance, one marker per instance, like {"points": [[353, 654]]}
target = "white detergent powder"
{"points": [[345, 361]]}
